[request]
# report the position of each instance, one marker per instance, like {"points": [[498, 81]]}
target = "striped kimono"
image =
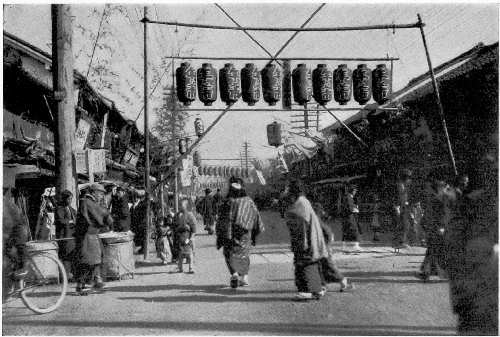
{"points": [[239, 225]]}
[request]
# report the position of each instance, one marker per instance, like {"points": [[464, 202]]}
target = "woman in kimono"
{"points": [[240, 224], [350, 227], [307, 243]]}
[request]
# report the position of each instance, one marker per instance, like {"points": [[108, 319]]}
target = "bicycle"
{"points": [[42, 290]]}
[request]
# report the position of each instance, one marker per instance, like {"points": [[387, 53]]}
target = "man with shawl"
{"points": [[240, 224], [92, 219], [308, 245]]}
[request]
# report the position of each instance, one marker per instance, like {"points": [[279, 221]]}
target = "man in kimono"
{"points": [[92, 219], [207, 210], [120, 211]]}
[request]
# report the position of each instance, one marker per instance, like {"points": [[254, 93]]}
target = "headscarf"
{"points": [[304, 212]]}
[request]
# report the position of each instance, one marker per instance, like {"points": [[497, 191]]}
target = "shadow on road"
{"points": [[267, 328]]}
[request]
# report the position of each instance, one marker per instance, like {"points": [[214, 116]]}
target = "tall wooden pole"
{"points": [[62, 77], [146, 136], [438, 97]]}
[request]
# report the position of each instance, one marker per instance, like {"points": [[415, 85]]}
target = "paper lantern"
{"points": [[362, 84], [207, 84], [211, 170], [229, 83], [322, 79], [196, 158], [271, 84], [238, 172], [198, 127], [226, 171], [342, 80], [302, 84], [232, 171], [185, 77], [200, 170], [182, 146], [275, 134], [381, 84], [250, 84], [205, 170], [220, 171]]}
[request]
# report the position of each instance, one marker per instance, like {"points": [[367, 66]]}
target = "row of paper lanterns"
{"points": [[223, 171], [322, 84]]}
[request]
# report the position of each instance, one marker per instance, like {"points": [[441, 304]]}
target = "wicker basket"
{"points": [[36, 251], [118, 259]]}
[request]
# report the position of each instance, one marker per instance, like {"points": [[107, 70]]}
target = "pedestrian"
{"points": [[65, 221], [433, 226], [138, 221], [350, 211], [120, 210], [240, 224], [307, 243], [376, 224], [472, 251], [92, 219], [401, 210], [185, 231], [15, 233], [207, 210]]}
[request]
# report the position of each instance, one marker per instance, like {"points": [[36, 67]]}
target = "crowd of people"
{"points": [[459, 222]]}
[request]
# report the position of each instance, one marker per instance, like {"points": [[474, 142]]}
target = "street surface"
{"points": [[388, 299]]}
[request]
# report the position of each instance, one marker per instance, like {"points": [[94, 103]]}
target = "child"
{"points": [[163, 231], [184, 232]]}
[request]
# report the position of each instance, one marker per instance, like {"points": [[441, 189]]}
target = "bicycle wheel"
{"points": [[45, 284]]}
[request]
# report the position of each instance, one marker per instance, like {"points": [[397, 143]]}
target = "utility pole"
{"points": [[246, 155], [146, 136], [62, 77]]}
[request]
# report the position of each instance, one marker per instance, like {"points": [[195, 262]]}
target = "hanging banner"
{"points": [[81, 161], [81, 134], [260, 176]]}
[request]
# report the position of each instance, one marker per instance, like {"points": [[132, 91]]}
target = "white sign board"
{"points": [[81, 134], [97, 160]]}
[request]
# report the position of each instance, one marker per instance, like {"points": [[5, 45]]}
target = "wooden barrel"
{"points": [[118, 256], [36, 250]]}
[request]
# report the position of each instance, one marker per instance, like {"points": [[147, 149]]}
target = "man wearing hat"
{"points": [[120, 210], [92, 219]]}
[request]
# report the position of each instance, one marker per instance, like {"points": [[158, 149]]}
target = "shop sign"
{"points": [[81, 134], [97, 160]]}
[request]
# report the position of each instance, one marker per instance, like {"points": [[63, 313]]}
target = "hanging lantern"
{"points": [[198, 127], [196, 158], [182, 146], [185, 77], [381, 83], [205, 170], [250, 84], [226, 171], [232, 171], [238, 172], [229, 82], [200, 170], [207, 84], [220, 171], [275, 134], [322, 78], [362, 84], [342, 79], [302, 84], [271, 84], [210, 170]]}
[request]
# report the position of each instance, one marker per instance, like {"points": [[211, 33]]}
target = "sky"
{"points": [[451, 29]]}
